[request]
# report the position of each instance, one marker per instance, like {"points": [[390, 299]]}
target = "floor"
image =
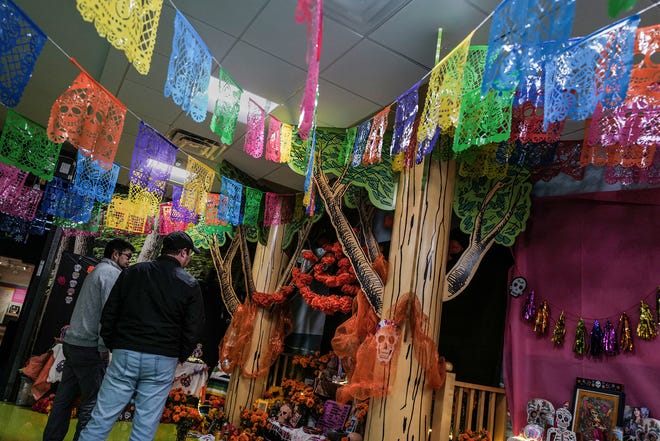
{"points": [[22, 424]]}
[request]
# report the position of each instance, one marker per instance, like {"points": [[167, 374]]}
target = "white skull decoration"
{"points": [[563, 417], [387, 336], [518, 286], [541, 412]]}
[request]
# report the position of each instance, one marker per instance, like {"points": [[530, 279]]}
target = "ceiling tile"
{"points": [[283, 175], [256, 168], [419, 42], [155, 79], [150, 105], [262, 73], [226, 15], [276, 31], [374, 72]]}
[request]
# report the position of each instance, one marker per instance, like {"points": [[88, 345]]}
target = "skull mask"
{"points": [[387, 336], [541, 412], [518, 286], [563, 417]]}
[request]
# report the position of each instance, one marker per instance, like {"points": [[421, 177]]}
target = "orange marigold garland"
{"points": [[266, 300], [334, 270]]}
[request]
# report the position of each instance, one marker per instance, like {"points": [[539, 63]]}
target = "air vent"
{"points": [[363, 16], [196, 145]]}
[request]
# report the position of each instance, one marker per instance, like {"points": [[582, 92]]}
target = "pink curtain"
{"points": [[594, 256]]}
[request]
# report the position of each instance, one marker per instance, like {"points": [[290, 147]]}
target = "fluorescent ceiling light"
{"points": [[177, 175], [214, 93]]}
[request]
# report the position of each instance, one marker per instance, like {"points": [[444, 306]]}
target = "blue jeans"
{"points": [[82, 375], [150, 376]]}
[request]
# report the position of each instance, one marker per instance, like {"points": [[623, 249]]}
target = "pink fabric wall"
{"points": [[596, 256]]}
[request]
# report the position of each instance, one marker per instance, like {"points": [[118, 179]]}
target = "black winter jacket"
{"points": [[154, 307]]}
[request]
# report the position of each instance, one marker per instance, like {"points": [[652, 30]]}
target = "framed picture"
{"points": [[262, 405], [597, 409]]}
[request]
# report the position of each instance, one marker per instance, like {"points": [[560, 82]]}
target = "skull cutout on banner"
{"points": [[518, 286], [387, 335]]}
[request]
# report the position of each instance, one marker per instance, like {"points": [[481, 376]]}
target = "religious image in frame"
{"points": [[597, 409]]}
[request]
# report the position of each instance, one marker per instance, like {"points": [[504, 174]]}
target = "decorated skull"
{"points": [[518, 286], [563, 418], [541, 412], [387, 336]]}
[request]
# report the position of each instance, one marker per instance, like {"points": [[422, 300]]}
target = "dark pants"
{"points": [[82, 376]]}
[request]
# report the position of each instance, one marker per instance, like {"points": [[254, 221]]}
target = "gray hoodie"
{"points": [[86, 317]]}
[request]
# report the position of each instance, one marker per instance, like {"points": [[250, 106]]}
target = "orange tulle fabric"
{"points": [[369, 378], [234, 349]]}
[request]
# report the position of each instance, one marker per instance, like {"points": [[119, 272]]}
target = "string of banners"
{"points": [[605, 338], [490, 97]]}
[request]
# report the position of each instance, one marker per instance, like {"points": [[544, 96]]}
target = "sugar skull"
{"points": [[541, 412], [518, 286], [563, 418], [387, 336]]}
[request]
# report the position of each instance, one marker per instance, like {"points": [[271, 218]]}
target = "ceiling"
{"points": [[364, 66]]}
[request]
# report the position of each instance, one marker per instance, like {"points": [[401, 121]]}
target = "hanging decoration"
{"points": [[310, 12], [482, 119], [144, 201], [90, 118], [559, 333], [529, 307], [308, 187], [24, 144], [646, 328], [227, 107], [286, 138], [580, 346], [615, 7], [566, 160], [92, 228], [122, 214], [610, 342], [443, 98], [189, 70], [411, 155], [278, 209], [211, 216], [166, 224], [129, 27], [596, 340], [627, 135], [200, 179], [153, 159], [483, 162], [231, 197], [374, 145], [346, 150], [254, 138], [332, 270], [634, 175], [406, 111], [625, 334], [361, 137], [527, 125], [595, 69], [93, 181], [273, 141], [657, 306], [541, 321], [517, 24], [16, 198], [60, 200], [22, 42], [252, 208], [179, 212]]}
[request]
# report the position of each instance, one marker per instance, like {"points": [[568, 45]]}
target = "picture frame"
{"points": [[597, 409], [262, 404]]}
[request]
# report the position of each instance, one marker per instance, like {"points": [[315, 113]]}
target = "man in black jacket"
{"points": [[153, 317]]}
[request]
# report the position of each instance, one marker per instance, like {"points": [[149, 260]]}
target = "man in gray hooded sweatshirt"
{"points": [[86, 356]]}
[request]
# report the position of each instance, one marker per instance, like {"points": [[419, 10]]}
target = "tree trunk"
{"points": [[223, 266], [83, 245], [369, 280], [269, 261], [418, 255], [465, 268], [151, 246]]}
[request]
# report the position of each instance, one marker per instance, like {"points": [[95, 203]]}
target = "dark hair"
{"points": [[117, 245]]}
